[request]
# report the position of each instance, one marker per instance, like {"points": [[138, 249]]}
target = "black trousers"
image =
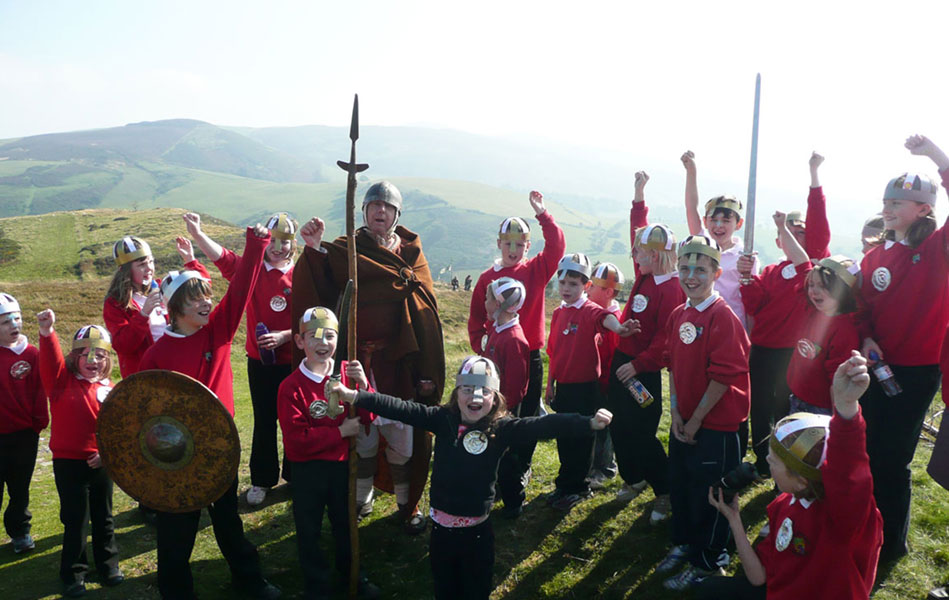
{"points": [[575, 452], [462, 560], [319, 485], [17, 460], [85, 494], [517, 460], [693, 468], [730, 588], [893, 426], [176, 535], [768, 369], [263, 381], [639, 453]]}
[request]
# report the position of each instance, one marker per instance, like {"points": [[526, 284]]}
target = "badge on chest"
{"points": [[475, 442]]}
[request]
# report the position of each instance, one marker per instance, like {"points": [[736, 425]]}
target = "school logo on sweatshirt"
{"points": [[475, 442], [688, 333], [318, 409], [20, 369], [640, 303], [789, 271], [807, 348], [881, 278], [278, 303], [785, 534]]}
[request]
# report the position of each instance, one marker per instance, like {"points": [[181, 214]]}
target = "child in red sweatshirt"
{"points": [[316, 440], [573, 381], [708, 376], [23, 415], [268, 337], [198, 344], [508, 349], [824, 528], [77, 385]]}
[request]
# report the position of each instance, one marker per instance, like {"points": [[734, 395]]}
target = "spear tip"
{"points": [[354, 126]]}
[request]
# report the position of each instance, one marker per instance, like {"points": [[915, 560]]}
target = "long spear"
{"points": [[352, 168], [752, 177]]}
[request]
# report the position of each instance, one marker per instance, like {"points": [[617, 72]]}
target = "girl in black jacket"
{"points": [[471, 433]]}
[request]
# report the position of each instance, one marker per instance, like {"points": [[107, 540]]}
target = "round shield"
{"points": [[167, 441]]}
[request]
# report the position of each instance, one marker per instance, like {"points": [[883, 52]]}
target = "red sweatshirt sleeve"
{"points": [[477, 314], [227, 264], [753, 294], [848, 485], [554, 245], [656, 355], [551, 338], [52, 364], [227, 317], [943, 232], [299, 436], [638, 217], [728, 358], [817, 234], [129, 329]]}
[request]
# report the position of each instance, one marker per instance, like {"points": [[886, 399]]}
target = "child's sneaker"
{"points": [[568, 501], [661, 507], [598, 480], [675, 557], [629, 492], [688, 578], [256, 495], [24, 543]]}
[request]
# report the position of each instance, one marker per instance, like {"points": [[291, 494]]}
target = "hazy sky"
{"points": [[648, 79]]}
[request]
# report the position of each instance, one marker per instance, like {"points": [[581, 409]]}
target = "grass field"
{"points": [[602, 549]]}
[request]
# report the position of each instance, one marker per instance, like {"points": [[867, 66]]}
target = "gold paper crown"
{"points": [[282, 227], [128, 249], [92, 336], [607, 275], [844, 272], [318, 320], [729, 202], [700, 244], [514, 229], [655, 237], [812, 430]]}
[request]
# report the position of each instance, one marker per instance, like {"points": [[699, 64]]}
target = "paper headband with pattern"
{"points": [[92, 336], [815, 429], [478, 372]]}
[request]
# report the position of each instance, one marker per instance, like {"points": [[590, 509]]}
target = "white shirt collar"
{"points": [[310, 374], [508, 325], [269, 267], [578, 304], [804, 501], [174, 334], [704, 303], [890, 243], [19, 346], [664, 278]]}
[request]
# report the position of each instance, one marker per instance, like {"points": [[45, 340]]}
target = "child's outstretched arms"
{"points": [[750, 562], [691, 194], [850, 382], [920, 145], [625, 329], [537, 203], [641, 178], [813, 164]]}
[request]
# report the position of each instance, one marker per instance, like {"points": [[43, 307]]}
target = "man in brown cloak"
{"points": [[399, 338]]}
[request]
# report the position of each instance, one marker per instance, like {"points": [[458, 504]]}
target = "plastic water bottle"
{"points": [[884, 374], [639, 392], [267, 355]]}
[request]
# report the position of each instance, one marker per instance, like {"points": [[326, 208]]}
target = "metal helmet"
{"points": [[576, 263], [798, 440], [700, 244], [318, 320], [130, 248], [92, 336], [479, 372], [911, 186], [727, 202], [509, 293], [607, 275], [514, 229], [282, 226], [386, 192]]}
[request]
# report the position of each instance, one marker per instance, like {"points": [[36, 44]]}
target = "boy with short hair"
{"points": [[23, 415], [709, 398], [508, 349], [514, 242], [722, 218], [573, 384], [316, 440], [825, 530], [605, 285]]}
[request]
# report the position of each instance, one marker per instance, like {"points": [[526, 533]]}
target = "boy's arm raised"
{"points": [[817, 234], [789, 243], [228, 313], [554, 242], [692, 215]]}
